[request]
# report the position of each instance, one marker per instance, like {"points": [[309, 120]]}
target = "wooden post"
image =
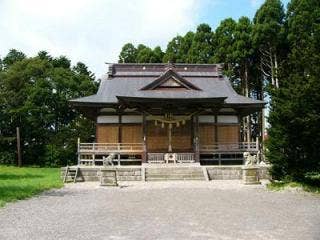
{"points": [[170, 137], [19, 147], [248, 120], [196, 135], [144, 135], [78, 143], [119, 137], [120, 128], [216, 128], [262, 128]]}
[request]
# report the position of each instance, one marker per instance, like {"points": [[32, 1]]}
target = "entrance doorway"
{"points": [[160, 138]]}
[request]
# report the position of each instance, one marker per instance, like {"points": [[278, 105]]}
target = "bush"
{"points": [[7, 158]]}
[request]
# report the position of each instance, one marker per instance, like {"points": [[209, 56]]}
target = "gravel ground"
{"points": [[167, 210]]}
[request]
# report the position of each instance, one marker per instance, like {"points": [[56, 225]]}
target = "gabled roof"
{"points": [[170, 78], [199, 81]]}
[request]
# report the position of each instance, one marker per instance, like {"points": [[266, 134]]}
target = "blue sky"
{"points": [[93, 31]]}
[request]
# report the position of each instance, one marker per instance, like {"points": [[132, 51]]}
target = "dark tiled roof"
{"points": [[127, 80]]}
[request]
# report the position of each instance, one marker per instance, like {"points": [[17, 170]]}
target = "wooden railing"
{"points": [[231, 147], [96, 148], [185, 157], [156, 158], [178, 157]]}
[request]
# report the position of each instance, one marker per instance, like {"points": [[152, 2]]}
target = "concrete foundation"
{"points": [[169, 172]]}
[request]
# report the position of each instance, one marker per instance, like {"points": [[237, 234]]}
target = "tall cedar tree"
{"points": [[202, 47], [268, 37], [178, 48], [295, 114]]}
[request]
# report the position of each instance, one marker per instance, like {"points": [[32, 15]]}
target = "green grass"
{"points": [[20, 183], [281, 185]]}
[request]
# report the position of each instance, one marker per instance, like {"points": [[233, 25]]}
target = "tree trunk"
{"points": [[271, 67], [276, 70], [246, 93]]}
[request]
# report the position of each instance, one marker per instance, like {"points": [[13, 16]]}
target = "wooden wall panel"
{"points": [[157, 137], [131, 133], [207, 134], [107, 133], [181, 138], [228, 133]]}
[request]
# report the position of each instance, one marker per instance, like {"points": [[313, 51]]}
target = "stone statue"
{"points": [[261, 158], [108, 161], [249, 159]]}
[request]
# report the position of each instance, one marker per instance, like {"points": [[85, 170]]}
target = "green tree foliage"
{"points": [[224, 40], [268, 37], [12, 57], [34, 96], [295, 114], [178, 48], [202, 47], [128, 54], [141, 54]]}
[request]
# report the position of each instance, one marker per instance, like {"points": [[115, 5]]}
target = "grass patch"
{"points": [[20, 183], [281, 185]]}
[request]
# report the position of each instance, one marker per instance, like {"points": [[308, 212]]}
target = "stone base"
{"points": [[108, 177], [137, 173], [250, 175]]}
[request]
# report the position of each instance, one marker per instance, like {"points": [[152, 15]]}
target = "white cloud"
{"points": [[92, 31]]}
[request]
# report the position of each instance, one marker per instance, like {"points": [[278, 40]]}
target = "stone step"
{"points": [[175, 179], [173, 170], [175, 175]]}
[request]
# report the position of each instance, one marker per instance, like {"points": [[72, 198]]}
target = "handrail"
{"points": [[138, 147], [239, 146], [110, 147]]}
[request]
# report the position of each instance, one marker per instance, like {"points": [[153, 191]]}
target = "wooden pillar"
{"points": [[144, 135], [192, 132], [263, 127], [239, 124], [248, 120], [119, 137], [120, 128], [170, 137], [79, 156], [196, 138], [216, 128]]}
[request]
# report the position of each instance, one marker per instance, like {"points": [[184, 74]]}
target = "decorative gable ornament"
{"points": [[170, 79]]}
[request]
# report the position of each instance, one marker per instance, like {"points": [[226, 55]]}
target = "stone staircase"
{"points": [[174, 173]]}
